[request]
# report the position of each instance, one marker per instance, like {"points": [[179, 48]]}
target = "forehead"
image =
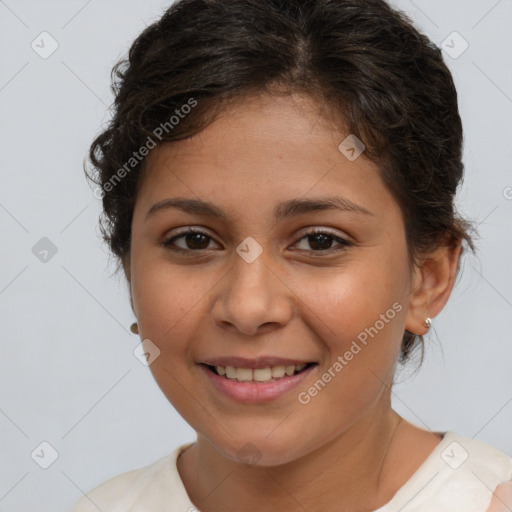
{"points": [[263, 148]]}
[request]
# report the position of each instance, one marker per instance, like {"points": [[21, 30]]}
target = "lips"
{"points": [[256, 380]]}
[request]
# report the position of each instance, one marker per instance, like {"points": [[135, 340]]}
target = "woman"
{"points": [[278, 183]]}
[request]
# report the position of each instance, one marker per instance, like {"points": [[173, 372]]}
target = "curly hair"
{"points": [[366, 61]]}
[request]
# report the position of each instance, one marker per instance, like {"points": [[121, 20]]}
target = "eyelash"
{"points": [[343, 243]]}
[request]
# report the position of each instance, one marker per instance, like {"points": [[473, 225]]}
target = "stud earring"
{"points": [[134, 328], [428, 322]]}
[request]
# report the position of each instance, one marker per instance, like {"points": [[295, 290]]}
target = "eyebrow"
{"points": [[286, 209]]}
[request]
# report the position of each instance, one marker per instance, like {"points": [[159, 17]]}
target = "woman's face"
{"points": [[255, 289]]}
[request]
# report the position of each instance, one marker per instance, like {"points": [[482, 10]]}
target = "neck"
{"points": [[350, 472]]}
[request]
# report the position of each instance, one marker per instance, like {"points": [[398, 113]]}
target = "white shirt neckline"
{"points": [[460, 474], [426, 472]]}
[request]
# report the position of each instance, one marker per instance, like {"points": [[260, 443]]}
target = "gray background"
{"points": [[68, 373]]}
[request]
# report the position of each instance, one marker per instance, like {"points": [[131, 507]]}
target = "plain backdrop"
{"points": [[69, 378]]}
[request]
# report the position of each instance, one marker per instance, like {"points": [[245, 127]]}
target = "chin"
{"points": [[259, 451]]}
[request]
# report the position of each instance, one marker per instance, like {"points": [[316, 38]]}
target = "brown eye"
{"points": [[321, 241], [192, 241]]}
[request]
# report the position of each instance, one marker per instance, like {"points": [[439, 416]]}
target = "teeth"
{"points": [[289, 370], [244, 374], [259, 374], [278, 372], [262, 374]]}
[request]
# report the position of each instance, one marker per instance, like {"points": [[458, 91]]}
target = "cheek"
{"points": [[166, 297], [358, 315], [169, 303], [352, 303]]}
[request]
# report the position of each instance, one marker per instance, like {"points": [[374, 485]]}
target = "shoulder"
{"points": [[477, 457], [130, 490], [112, 491], [473, 470], [460, 475]]}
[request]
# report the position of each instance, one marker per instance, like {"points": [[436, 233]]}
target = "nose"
{"points": [[253, 298]]}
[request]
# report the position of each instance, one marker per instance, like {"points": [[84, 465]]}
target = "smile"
{"points": [[264, 382], [267, 374]]}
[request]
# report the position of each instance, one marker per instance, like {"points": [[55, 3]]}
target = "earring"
{"points": [[428, 322], [134, 328]]}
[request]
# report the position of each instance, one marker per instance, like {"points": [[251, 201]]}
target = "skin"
{"points": [[502, 498], [346, 449]]}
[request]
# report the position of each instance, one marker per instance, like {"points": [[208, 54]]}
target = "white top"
{"points": [[460, 475]]}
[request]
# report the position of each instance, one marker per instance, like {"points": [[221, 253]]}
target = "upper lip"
{"points": [[259, 362]]}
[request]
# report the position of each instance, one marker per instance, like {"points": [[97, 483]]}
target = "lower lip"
{"points": [[256, 392]]}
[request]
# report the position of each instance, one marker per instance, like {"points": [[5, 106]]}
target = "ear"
{"points": [[431, 286]]}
